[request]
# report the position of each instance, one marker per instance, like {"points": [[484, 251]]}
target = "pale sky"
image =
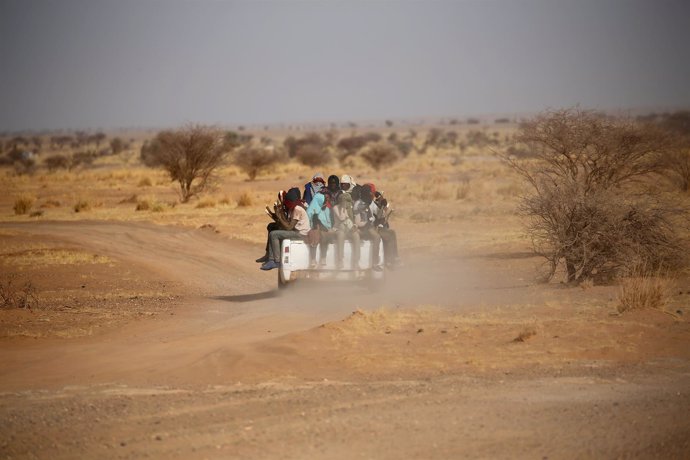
{"points": [[88, 64]]}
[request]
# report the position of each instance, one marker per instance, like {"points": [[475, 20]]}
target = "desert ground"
{"points": [[153, 334]]}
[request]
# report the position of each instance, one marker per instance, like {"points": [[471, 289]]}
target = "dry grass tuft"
{"points": [[16, 295], [144, 204], [82, 205], [23, 204], [225, 201], [644, 292], [463, 190], [158, 207], [131, 200], [525, 335], [207, 202], [587, 283], [149, 204], [51, 204], [244, 200], [145, 182]]}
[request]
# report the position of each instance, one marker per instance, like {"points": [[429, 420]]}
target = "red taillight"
{"points": [[287, 249]]}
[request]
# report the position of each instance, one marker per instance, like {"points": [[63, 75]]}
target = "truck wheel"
{"points": [[282, 283]]}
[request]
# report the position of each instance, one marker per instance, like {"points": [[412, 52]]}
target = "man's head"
{"points": [[366, 194], [318, 177], [346, 183], [292, 198], [333, 183]]}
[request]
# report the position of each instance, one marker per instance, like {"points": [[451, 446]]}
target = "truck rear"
{"points": [[295, 264]]}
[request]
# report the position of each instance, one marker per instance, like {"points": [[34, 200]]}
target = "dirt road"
{"points": [[240, 370]]}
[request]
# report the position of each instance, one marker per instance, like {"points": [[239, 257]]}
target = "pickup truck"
{"points": [[295, 264]]}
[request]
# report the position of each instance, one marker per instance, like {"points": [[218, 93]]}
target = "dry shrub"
{"points": [[150, 153], [348, 146], [17, 295], [207, 202], [479, 139], [313, 155], [244, 200], [145, 182], [252, 161], [311, 141], [586, 208], [82, 159], [225, 201], [82, 205], [55, 162], [437, 138], [23, 204], [380, 154], [404, 147], [644, 291]]}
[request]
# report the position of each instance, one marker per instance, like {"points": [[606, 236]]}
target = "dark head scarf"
{"points": [[292, 198]]}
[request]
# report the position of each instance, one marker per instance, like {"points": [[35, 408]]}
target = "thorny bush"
{"points": [[588, 209]]}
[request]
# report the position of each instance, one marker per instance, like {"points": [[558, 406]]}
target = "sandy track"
{"points": [[232, 307], [170, 387]]}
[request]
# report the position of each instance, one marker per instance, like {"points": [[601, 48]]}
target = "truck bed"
{"points": [[295, 263]]}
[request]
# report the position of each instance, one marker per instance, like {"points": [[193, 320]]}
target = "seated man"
{"points": [[364, 221], [278, 208], [344, 224], [381, 213], [312, 188], [297, 226], [347, 183], [332, 190], [320, 219]]}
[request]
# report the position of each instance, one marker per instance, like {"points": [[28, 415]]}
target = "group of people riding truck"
{"points": [[331, 212]]}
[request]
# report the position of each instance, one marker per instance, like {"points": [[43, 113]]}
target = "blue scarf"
{"points": [[318, 209]]}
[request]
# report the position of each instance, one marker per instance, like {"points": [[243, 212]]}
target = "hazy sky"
{"points": [[138, 63]]}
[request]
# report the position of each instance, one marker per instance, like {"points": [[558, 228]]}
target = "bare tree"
{"points": [[585, 208], [190, 155]]}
